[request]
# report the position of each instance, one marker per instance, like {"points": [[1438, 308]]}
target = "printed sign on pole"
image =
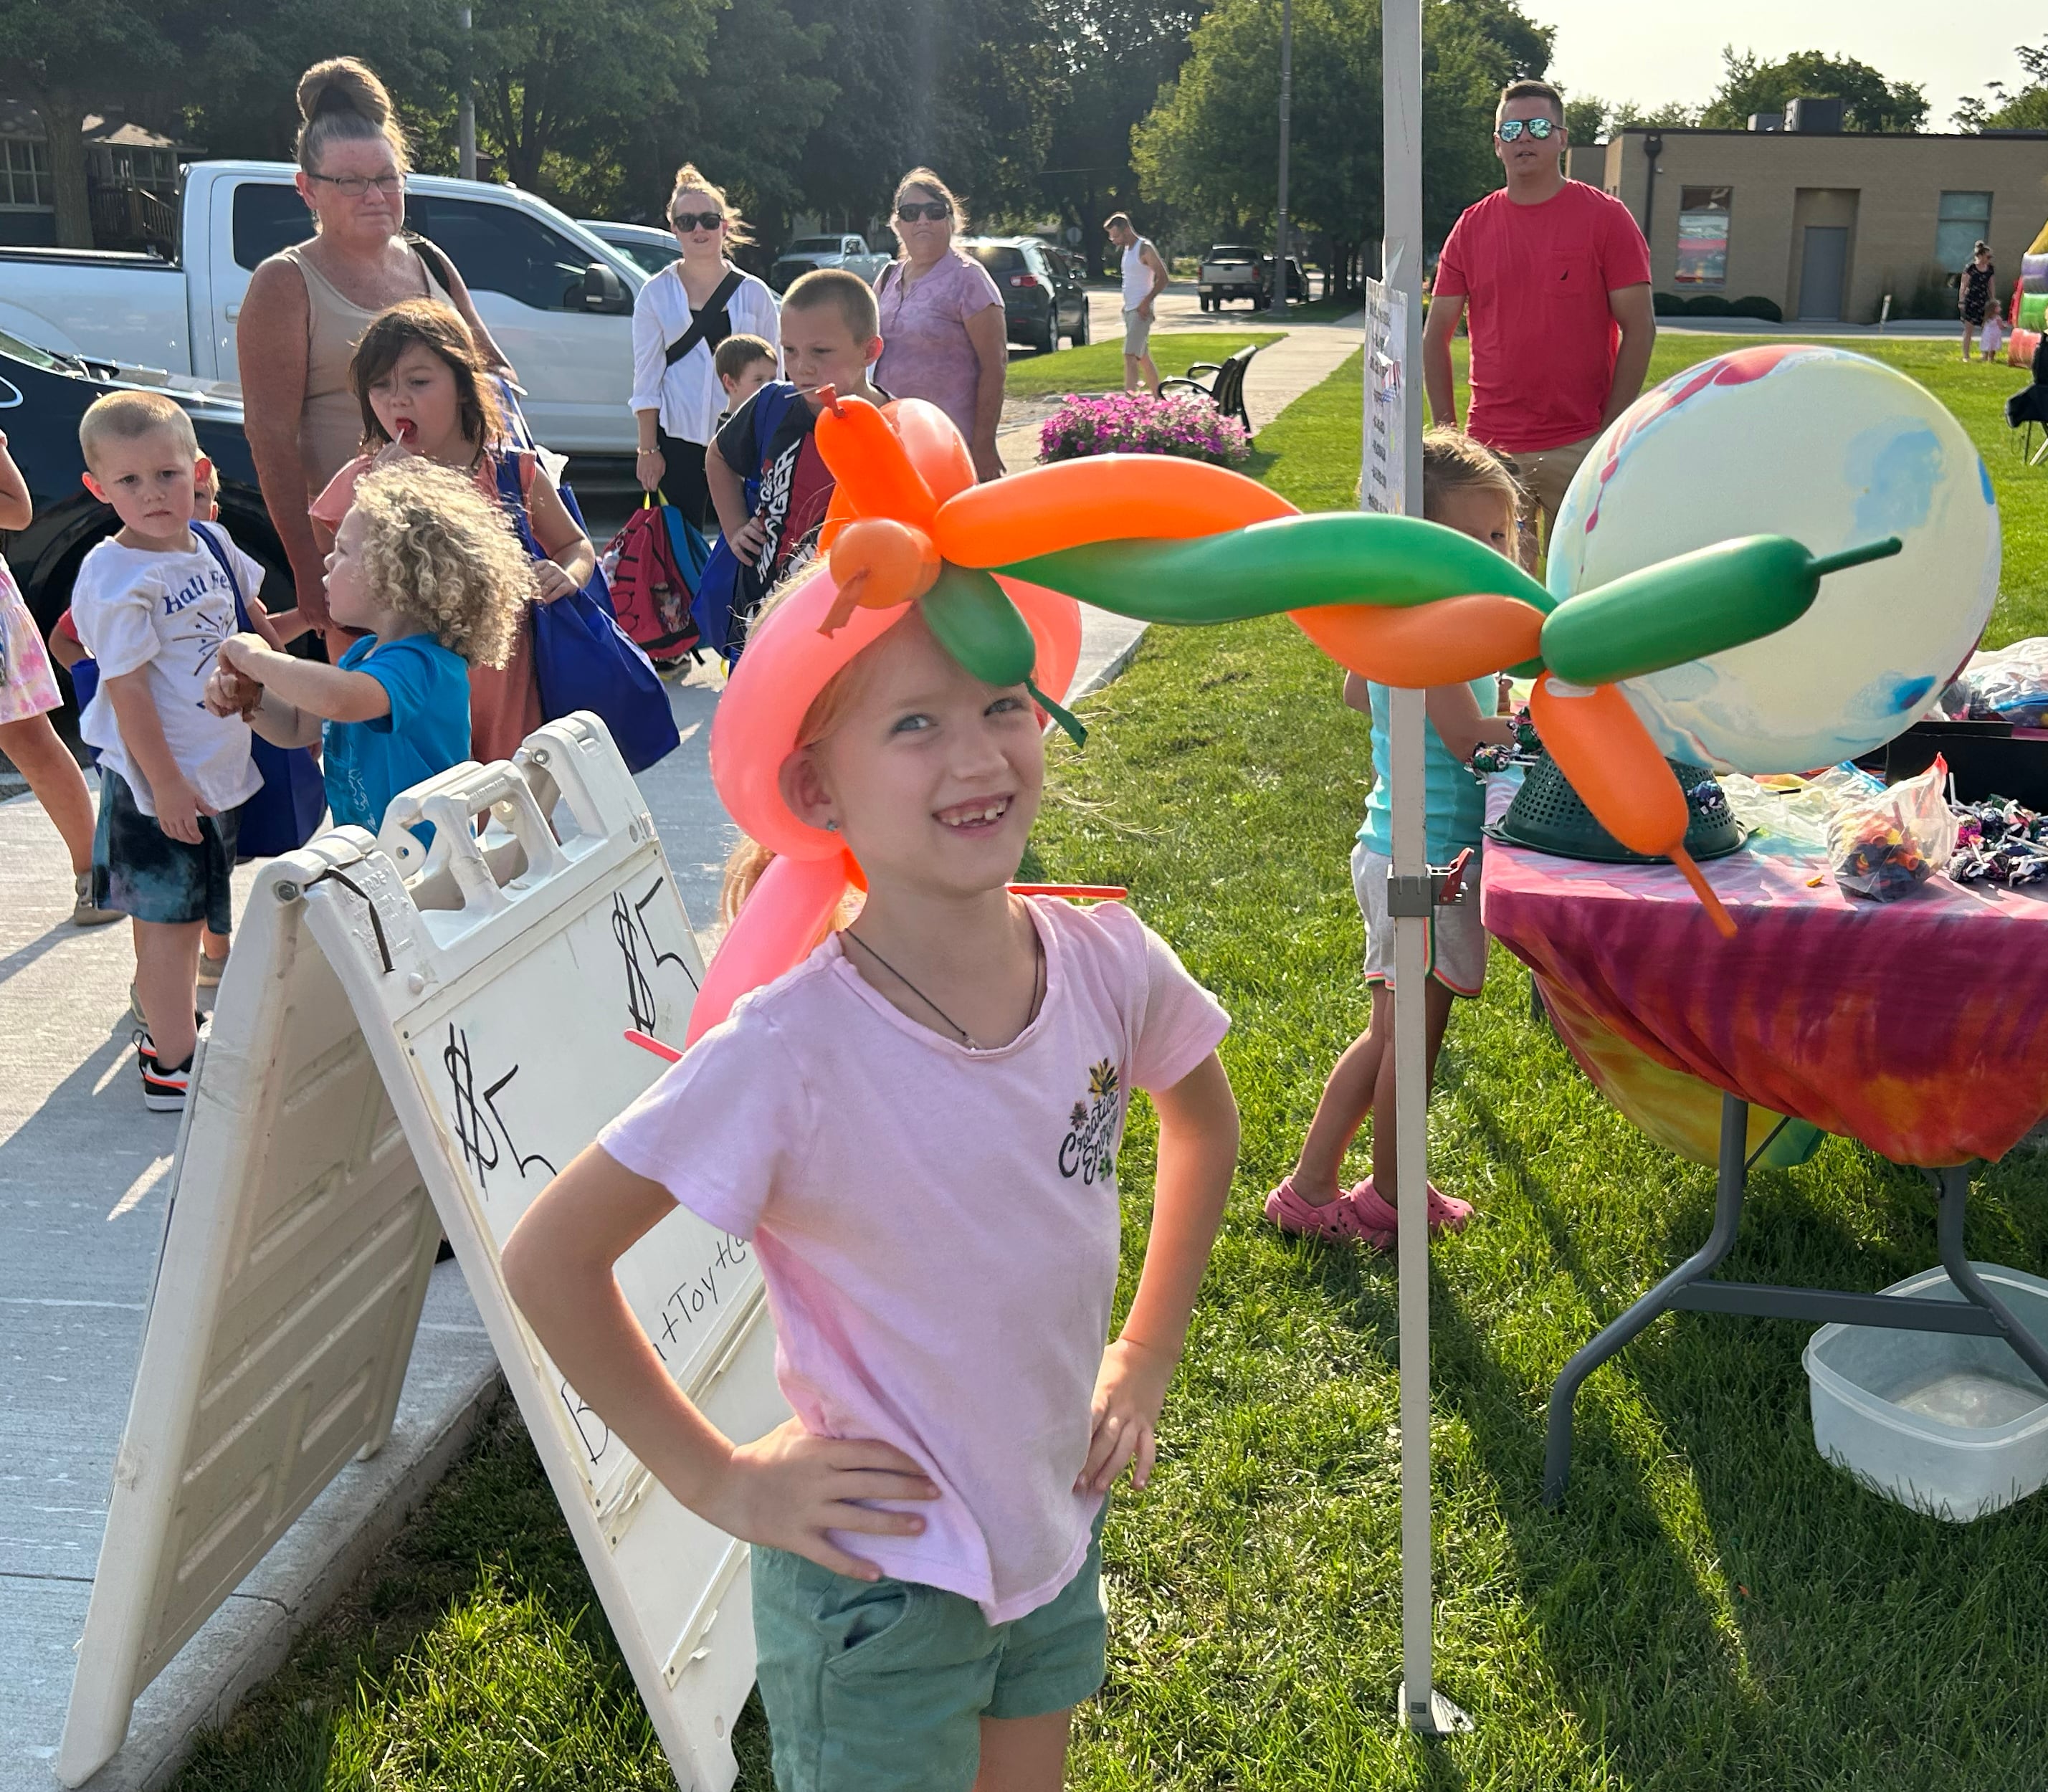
{"points": [[450, 1019], [1385, 482]]}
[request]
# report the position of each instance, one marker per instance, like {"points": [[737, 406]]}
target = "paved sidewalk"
{"points": [[1305, 357], [84, 1173]]}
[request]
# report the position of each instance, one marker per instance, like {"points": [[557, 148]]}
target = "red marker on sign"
{"points": [[1082, 892], [647, 1042]]}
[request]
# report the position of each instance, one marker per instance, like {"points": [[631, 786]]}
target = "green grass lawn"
{"points": [[1714, 1607], [1099, 367]]}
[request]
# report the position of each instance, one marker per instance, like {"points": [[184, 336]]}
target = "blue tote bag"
{"points": [[582, 659], [286, 813]]}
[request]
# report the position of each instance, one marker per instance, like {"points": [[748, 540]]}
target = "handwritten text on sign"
{"points": [[521, 1074]]}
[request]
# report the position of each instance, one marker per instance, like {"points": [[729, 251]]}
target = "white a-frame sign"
{"points": [[410, 1041]]}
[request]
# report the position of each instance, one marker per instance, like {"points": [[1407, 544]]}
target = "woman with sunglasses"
{"points": [[307, 306], [943, 334], [680, 318]]}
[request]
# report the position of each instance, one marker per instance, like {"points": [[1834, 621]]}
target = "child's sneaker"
{"points": [[164, 1086], [1378, 1221], [212, 969], [86, 911]]}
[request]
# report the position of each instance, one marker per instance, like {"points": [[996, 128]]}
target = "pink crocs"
{"points": [[1377, 1220], [1287, 1210]]}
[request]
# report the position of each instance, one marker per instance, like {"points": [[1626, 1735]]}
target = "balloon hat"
{"points": [[996, 570]]}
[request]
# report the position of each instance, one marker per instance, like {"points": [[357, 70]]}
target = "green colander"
{"points": [[1548, 815]]}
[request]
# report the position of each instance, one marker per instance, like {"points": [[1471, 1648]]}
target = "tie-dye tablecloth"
{"points": [[1919, 1026]]}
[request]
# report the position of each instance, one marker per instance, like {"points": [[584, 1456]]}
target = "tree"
{"points": [[764, 93], [1208, 147], [1870, 102], [68, 59], [568, 78], [1116, 55], [2027, 110], [238, 96]]}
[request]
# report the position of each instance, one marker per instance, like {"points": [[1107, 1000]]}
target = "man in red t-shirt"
{"points": [[1555, 277]]}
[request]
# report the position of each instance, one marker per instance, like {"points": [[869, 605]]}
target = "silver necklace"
{"points": [[967, 1038]]}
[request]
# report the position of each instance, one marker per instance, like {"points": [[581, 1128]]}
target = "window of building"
{"points": [[1703, 235], [1963, 219], [25, 175]]}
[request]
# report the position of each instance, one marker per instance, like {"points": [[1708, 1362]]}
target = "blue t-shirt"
{"points": [[1454, 801], [368, 763]]}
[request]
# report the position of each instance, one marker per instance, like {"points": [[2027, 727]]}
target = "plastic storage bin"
{"points": [[1942, 1422]]}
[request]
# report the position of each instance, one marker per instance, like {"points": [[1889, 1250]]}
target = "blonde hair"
{"points": [[689, 179], [749, 859], [342, 101], [932, 184], [437, 550], [1452, 463], [126, 416]]}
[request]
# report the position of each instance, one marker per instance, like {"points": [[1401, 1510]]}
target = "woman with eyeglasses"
{"points": [[680, 318], [307, 306], [943, 334]]}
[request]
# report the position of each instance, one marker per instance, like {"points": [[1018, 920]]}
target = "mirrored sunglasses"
{"points": [[1511, 129]]}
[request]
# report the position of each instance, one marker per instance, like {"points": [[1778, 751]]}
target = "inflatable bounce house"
{"points": [[2027, 315]]}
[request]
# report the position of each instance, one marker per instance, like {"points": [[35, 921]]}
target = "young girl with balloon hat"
{"points": [[918, 1128], [1466, 486]]}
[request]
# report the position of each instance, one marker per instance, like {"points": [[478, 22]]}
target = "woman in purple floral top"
{"points": [[944, 338]]}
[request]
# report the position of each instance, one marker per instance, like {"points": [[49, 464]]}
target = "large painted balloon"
{"points": [[1834, 451]]}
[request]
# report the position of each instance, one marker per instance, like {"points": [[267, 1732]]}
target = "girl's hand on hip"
{"points": [[789, 1488], [1130, 1390]]}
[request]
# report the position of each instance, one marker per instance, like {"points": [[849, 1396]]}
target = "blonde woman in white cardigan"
{"points": [[680, 318]]}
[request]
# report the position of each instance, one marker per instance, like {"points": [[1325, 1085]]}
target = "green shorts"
{"points": [[881, 1686]]}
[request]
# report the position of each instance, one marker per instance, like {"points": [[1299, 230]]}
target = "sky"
{"points": [[1608, 47]]}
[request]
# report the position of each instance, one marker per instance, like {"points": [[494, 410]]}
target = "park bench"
{"points": [[1225, 389]]}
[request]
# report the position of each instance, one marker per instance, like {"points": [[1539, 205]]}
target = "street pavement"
{"points": [[84, 1183]]}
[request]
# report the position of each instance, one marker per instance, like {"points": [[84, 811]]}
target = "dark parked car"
{"points": [[42, 397], [1297, 282], [1043, 295]]}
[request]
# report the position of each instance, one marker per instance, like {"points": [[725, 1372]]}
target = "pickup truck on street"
{"points": [[807, 252], [558, 299]]}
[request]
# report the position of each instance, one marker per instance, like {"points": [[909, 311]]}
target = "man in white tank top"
{"points": [[1144, 280]]}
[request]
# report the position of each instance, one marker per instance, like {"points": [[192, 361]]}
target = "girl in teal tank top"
{"points": [[1467, 487]]}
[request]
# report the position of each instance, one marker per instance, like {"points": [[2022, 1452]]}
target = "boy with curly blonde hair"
{"points": [[428, 569]]}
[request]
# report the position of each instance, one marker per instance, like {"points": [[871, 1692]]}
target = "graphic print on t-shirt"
{"points": [[1089, 1149]]}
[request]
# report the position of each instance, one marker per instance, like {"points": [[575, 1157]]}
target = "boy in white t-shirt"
{"points": [[153, 604]]}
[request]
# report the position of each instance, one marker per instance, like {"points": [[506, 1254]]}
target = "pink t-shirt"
{"points": [[938, 1227], [926, 352], [1536, 279]]}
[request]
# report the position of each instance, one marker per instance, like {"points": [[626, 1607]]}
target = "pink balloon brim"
{"points": [[787, 662]]}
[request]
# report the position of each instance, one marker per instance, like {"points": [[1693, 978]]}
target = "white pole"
{"points": [[465, 126], [1423, 1709], [1277, 299]]}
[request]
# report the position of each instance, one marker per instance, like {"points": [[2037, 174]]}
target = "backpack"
{"points": [[653, 564], [727, 593]]}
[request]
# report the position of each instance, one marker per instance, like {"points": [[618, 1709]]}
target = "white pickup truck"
{"points": [[558, 299], [807, 252]]}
